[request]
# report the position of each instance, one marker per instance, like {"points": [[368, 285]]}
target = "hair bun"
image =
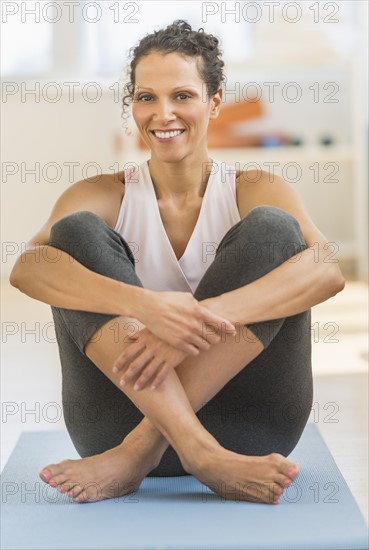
{"points": [[183, 26]]}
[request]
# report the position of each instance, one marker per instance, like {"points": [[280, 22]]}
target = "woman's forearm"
{"points": [[293, 287], [68, 284], [175, 317]]}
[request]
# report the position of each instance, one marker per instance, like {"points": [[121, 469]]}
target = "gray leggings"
{"points": [[263, 409]]}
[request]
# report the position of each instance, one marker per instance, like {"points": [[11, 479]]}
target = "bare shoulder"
{"points": [[101, 195], [104, 195], [258, 187]]}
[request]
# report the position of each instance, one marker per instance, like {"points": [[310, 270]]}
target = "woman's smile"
{"points": [[165, 136]]}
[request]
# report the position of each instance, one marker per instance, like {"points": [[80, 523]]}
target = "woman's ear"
{"points": [[216, 102]]}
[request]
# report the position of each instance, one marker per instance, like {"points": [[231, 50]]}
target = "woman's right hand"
{"points": [[179, 319]]}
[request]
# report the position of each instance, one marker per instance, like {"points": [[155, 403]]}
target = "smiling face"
{"points": [[171, 108]]}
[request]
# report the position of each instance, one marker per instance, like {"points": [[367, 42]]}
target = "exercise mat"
{"points": [[317, 511]]}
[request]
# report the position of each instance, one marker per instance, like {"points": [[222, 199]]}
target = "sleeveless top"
{"points": [[140, 224]]}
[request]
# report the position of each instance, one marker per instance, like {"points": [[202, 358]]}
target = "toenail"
{"points": [[287, 481], [291, 471], [52, 483], [46, 475]]}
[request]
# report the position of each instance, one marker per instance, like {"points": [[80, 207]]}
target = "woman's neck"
{"points": [[180, 181]]}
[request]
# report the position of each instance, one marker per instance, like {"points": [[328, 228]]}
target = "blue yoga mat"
{"points": [[317, 511]]}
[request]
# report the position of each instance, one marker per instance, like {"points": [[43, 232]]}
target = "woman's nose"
{"points": [[164, 112]]}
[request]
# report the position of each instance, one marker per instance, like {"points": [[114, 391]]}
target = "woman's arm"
{"points": [[287, 290], [70, 285], [176, 317], [301, 282]]}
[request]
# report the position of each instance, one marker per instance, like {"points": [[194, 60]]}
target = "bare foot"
{"points": [[239, 477], [111, 474]]}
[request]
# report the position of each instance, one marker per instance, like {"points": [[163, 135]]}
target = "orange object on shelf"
{"points": [[231, 113], [221, 134]]}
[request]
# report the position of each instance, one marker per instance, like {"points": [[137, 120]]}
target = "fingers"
{"points": [[127, 356], [147, 353], [198, 339], [157, 367], [213, 339], [222, 323], [160, 377], [186, 347], [200, 342], [147, 374], [136, 367], [213, 334]]}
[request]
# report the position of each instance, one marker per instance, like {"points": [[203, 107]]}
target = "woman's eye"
{"points": [[146, 97], [143, 97]]}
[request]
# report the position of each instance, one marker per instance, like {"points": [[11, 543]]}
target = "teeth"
{"points": [[166, 135]]}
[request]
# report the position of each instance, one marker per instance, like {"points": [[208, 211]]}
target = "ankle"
{"points": [[149, 440], [198, 454]]}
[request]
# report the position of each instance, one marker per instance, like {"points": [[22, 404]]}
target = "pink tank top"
{"points": [[140, 224]]}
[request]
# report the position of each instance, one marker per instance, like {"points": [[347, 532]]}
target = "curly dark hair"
{"points": [[180, 38]]}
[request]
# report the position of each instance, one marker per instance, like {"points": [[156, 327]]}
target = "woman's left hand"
{"points": [[148, 357]]}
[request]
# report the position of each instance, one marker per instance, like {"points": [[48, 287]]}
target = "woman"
{"points": [[209, 302]]}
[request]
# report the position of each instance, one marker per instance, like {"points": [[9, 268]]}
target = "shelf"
{"points": [[335, 153], [309, 65]]}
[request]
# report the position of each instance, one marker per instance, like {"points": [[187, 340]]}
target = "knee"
{"points": [[268, 235], [267, 224], [74, 227], [270, 218]]}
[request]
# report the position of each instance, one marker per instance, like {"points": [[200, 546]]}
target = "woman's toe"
{"points": [[49, 472]]}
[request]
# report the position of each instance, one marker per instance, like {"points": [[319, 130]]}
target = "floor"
{"points": [[31, 381]]}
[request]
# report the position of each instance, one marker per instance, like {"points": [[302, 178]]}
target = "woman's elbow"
{"points": [[15, 278], [335, 281]]}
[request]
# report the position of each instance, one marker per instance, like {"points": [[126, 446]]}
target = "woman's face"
{"points": [[170, 96]]}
